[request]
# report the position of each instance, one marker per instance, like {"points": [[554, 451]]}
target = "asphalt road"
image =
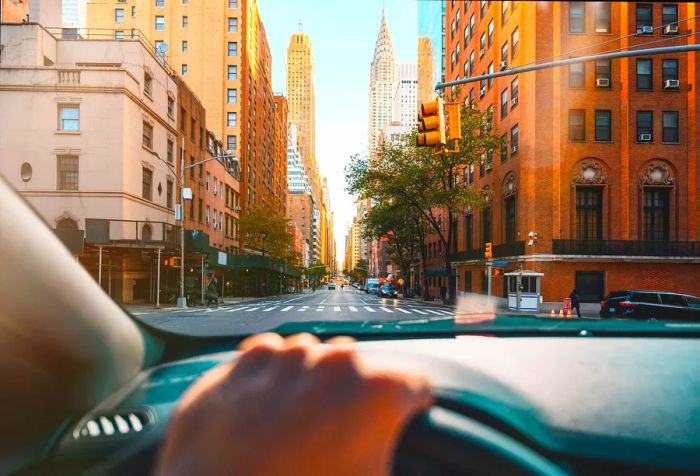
{"points": [[260, 315]]}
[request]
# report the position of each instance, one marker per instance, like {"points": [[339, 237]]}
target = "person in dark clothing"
{"points": [[575, 302], [212, 294]]}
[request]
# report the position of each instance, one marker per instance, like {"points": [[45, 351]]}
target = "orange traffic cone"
{"points": [[568, 314], [551, 314], [561, 313]]}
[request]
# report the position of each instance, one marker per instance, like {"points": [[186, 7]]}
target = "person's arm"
{"points": [[290, 406]]}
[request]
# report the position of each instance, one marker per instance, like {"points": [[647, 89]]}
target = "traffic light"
{"points": [[497, 271], [431, 123], [454, 121], [175, 262], [488, 252]]}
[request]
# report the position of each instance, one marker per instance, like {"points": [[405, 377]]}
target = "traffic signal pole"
{"points": [[579, 59]]}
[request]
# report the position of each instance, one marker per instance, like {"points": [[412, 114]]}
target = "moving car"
{"points": [[372, 286], [644, 304], [387, 290], [331, 286]]}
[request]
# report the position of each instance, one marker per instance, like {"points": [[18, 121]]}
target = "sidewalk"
{"points": [[169, 307]]}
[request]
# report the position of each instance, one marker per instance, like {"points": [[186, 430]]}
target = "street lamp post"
{"points": [[182, 300]]}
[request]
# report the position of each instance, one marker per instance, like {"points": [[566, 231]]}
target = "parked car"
{"points": [[331, 286], [387, 290], [361, 287], [644, 304]]}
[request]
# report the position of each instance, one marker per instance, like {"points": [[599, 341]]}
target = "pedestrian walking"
{"points": [[575, 302], [212, 293]]}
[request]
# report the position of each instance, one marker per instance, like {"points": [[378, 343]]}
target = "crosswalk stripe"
{"points": [[370, 309], [420, 312], [287, 308], [434, 312], [252, 308], [270, 308], [336, 308], [303, 308], [320, 308], [403, 310], [385, 309], [353, 308], [234, 309]]}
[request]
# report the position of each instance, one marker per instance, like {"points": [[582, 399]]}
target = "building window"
{"points": [[504, 12], [670, 131], [148, 84], [504, 147], [200, 206], [119, 35], [471, 63], [232, 96], [184, 45], [645, 121], [514, 41], [232, 48], [231, 120], [482, 8], [511, 218], [452, 61], [193, 128], [482, 44], [160, 3], [147, 135], [169, 194], [184, 70], [119, 15], [171, 151], [514, 140], [577, 17], [233, 3], [577, 124], [147, 184], [490, 30], [486, 224], [602, 72], [160, 22], [215, 189], [171, 107], [504, 103], [232, 25], [452, 29], [669, 74], [504, 53], [206, 182], [603, 125], [656, 214], [468, 231], [466, 36], [644, 73], [644, 18], [231, 143], [206, 216], [67, 172], [472, 24], [133, 13], [69, 118], [577, 75], [589, 213], [669, 15], [185, 21], [602, 17], [232, 74], [489, 70]]}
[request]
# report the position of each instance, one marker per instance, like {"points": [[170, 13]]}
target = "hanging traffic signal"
{"points": [[497, 271], [488, 252], [431, 123], [454, 121]]}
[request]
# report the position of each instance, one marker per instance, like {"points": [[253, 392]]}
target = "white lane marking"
{"points": [[385, 309], [324, 301], [319, 308], [303, 308], [139, 313], [193, 310], [293, 299], [419, 311], [353, 308], [252, 308], [287, 308], [403, 310], [336, 308], [234, 309], [370, 309], [270, 308], [434, 312]]}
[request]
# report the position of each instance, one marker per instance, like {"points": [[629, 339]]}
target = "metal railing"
{"points": [[626, 247]]}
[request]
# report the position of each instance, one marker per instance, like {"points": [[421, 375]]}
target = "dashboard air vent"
{"points": [[118, 423]]}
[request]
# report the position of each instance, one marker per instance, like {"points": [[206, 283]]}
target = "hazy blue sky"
{"points": [[343, 33]]}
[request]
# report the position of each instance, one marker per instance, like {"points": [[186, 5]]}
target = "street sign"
{"points": [[178, 212], [498, 264]]}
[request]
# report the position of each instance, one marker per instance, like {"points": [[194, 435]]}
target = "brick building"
{"points": [[599, 159]]}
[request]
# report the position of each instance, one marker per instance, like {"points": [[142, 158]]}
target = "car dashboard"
{"points": [[591, 405]]}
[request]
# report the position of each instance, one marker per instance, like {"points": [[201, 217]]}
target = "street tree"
{"points": [[267, 233]]}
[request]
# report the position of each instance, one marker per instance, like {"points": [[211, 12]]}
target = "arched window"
{"points": [[66, 224], [589, 184], [657, 183], [146, 233]]}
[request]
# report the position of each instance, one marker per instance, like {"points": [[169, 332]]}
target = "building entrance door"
{"points": [[590, 285]]}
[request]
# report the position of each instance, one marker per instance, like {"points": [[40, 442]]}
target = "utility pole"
{"points": [[181, 299]]}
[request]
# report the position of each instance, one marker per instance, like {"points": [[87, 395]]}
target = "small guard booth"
{"points": [[529, 293]]}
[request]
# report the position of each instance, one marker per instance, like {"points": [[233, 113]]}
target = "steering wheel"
{"points": [[458, 444]]}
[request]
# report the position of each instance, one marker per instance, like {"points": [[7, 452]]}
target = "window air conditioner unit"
{"points": [[513, 102], [645, 30], [482, 92], [644, 137], [514, 149], [671, 84], [503, 65], [602, 82], [671, 29]]}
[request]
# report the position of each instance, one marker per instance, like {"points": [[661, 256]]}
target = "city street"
{"points": [[254, 316]]}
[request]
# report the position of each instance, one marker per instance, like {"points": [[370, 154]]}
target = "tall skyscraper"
{"points": [[405, 101], [74, 14], [381, 83], [431, 47]]}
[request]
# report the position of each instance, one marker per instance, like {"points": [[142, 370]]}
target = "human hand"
{"points": [[290, 406]]}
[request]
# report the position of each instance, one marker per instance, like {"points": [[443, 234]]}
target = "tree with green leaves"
{"points": [[430, 180], [267, 233]]}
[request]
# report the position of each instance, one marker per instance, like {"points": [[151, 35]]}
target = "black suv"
{"points": [[642, 304]]}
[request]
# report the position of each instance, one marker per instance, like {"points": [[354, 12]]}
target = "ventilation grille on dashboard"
{"points": [[120, 423]]}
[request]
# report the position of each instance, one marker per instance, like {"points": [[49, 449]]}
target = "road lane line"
{"points": [[434, 312], [385, 309], [234, 309], [419, 311], [320, 308], [270, 308], [403, 310], [252, 308], [336, 308], [353, 308], [370, 309], [287, 308], [303, 308]]}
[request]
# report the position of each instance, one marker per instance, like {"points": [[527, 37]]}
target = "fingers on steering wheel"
{"points": [[411, 392]]}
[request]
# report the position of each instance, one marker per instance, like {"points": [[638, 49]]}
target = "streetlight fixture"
{"points": [[186, 193]]}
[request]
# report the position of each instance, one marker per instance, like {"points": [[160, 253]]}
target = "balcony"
{"points": [[516, 248], [626, 247], [131, 233]]}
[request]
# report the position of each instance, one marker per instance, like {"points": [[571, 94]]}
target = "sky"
{"points": [[343, 34]]}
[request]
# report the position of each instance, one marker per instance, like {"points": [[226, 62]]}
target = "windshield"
{"points": [[310, 161]]}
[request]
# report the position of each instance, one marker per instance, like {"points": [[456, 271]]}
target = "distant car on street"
{"points": [[387, 290], [361, 287], [645, 304], [331, 286]]}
